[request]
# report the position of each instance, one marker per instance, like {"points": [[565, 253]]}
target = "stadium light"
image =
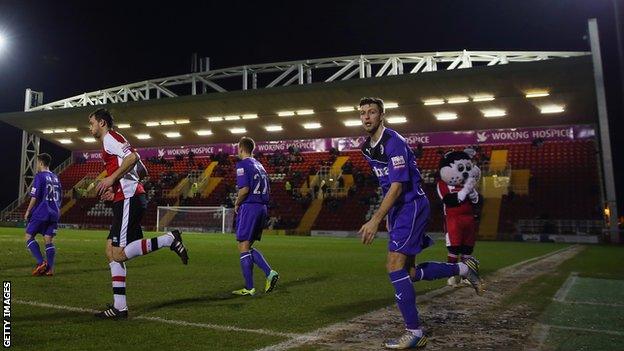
{"points": [[215, 119], [305, 112], [250, 116], [166, 123], [535, 94], [231, 118], [47, 131], [273, 128], [204, 132], [396, 119], [458, 100], [151, 124], [446, 116], [286, 113], [143, 136], [238, 130], [59, 131], [71, 130], [389, 105], [352, 123], [494, 113], [123, 126], [89, 140], [182, 121], [345, 109], [172, 134], [314, 125], [431, 102], [552, 109], [65, 141], [3, 42], [481, 98]]}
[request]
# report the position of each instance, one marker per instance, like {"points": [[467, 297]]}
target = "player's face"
{"points": [[371, 117], [39, 166], [95, 128], [240, 152]]}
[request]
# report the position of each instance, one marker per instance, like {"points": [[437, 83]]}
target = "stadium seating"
{"points": [[556, 168]]}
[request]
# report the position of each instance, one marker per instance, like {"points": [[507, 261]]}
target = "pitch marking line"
{"points": [[321, 333], [564, 290], [166, 321], [601, 331]]}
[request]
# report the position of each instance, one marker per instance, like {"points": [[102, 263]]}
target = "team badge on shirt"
{"points": [[240, 172], [398, 161]]}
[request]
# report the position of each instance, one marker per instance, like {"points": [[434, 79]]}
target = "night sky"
{"points": [[65, 48]]}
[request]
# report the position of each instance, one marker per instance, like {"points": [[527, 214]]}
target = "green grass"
{"points": [[601, 280], [323, 281]]}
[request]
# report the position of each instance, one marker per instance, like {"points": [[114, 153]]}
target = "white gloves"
{"points": [[468, 189]]}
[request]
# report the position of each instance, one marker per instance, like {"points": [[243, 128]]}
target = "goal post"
{"points": [[204, 219]]}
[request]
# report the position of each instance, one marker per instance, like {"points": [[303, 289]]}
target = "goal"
{"points": [[205, 219]]}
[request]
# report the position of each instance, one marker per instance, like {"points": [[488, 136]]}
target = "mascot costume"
{"points": [[457, 188]]}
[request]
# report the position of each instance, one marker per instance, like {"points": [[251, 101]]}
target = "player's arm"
{"points": [[36, 192], [243, 182], [31, 205], [126, 165], [369, 229], [240, 197]]}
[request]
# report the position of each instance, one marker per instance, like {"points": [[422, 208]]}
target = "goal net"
{"points": [[195, 219]]}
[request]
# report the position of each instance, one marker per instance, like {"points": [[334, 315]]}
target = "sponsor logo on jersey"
{"points": [[398, 161], [380, 172], [240, 172]]}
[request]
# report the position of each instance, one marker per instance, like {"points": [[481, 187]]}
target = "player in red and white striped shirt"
{"points": [[122, 186]]}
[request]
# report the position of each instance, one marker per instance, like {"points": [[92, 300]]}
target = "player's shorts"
{"points": [[127, 215], [36, 226], [460, 230], [408, 223], [250, 221]]}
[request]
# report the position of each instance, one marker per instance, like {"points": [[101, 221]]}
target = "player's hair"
{"points": [[102, 114], [373, 100], [247, 144], [46, 159]]}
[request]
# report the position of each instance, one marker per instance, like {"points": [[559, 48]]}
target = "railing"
{"points": [[560, 226], [4, 214], [300, 72]]}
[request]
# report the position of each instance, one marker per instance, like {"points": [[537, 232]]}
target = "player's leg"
{"points": [[50, 251], [132, 243], [245, 225], [405, 297], [271, 275], [119, 309], [399, 264], [246, 264], [33, 246]]}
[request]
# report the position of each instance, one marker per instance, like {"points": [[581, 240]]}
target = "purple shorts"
{"points": [[250, 221], [408, 222], [41, 227]]}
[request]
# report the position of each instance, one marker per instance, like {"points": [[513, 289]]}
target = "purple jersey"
{"points": [[47, 190], [250, 173], [392, 160]]}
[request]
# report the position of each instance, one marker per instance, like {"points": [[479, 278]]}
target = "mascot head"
{"points": [[456, 167]]}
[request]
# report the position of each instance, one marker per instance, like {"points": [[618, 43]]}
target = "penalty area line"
{"points": [[166, 321]]}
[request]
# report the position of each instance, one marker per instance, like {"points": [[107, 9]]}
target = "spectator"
{"points": [[418, 151], [288, 187]]}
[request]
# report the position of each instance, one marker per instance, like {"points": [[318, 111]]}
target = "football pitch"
{"points": [[322, 281]]}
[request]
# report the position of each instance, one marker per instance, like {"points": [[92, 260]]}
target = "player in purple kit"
{"points": [[43, 214], [251, 209], [407, 208]]}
